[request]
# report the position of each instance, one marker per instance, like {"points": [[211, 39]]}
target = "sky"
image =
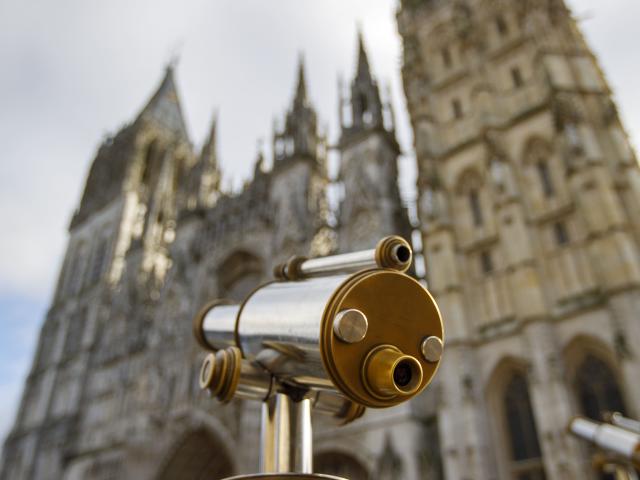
{"points": [[72, 72]]}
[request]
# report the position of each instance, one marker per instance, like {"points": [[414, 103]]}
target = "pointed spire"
{"points": [[209, 153], [301, 89], [298, 135], [164, 106], [258, 168], [366, 107], [364, 70]]}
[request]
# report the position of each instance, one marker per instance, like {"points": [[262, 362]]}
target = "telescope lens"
{"points": [[403, 254], [389, 372], [403, 373]]}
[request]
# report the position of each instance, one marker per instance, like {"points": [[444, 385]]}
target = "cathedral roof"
{"points": [[164, 106]]}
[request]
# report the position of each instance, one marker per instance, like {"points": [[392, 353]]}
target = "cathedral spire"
{"points": [[301, 89], [364, 70], [299, 137], [366, 106], [203, 182], [209, 149], [164, 107]]}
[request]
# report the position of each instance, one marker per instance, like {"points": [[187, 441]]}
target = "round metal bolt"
{"points": [[431, 349], [350, 325]]}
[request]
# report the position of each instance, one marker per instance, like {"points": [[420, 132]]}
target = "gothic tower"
{"points": [[372, 207], [528, 205], [299, 176], [118, 242]]}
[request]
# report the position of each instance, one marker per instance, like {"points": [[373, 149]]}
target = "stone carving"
{"points": [[390, 465]]}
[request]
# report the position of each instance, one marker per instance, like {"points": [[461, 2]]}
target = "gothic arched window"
{"points": [[597, 389], [75, 274], [526, 456], [97, 262], [545, 178], [476, 208], [340, 465], [151, 166], [472, 201], [541, 173]]}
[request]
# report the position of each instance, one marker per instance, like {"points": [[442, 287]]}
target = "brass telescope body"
{"points": [[287, 328], [336, 334]]}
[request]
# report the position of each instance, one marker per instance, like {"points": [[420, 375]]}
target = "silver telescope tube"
{"points": [[218, 319], [280, 328], [620, 420], [391, 252], [358, 335], [611, 438]]}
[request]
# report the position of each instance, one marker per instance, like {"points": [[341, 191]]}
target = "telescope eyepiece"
{"points": [[403, 374], [389, 373], [402, 254]]}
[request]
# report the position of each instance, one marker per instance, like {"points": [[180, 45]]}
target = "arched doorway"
{"points": [[198, 457], [596, 384], [341, 465], [526, 455], [516, 441]]}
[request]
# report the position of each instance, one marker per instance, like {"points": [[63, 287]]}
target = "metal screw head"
{"points": [[431, 348], [350, 325]]}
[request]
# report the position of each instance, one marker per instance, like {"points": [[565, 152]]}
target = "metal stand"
{"points": [[286, 441], [614, 465], [621, 471]]}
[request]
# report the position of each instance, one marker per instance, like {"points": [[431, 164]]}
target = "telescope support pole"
{"points": [[286, 439], [619, 469], [304, 441], [624, 472], [268, 436]]}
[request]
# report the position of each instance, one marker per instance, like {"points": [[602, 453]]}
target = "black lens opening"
{"points": [[403, 253], [403, 373]]}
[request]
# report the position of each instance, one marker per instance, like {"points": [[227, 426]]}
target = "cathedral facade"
{"points": [[528, 194]]}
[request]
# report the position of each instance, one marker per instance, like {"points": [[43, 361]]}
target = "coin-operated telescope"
{"points": [[618, 442], [337, 334]]}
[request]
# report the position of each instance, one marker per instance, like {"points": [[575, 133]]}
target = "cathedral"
{"points": [[528, 220]]}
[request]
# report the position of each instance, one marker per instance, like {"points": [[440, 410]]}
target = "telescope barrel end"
{"points": [[394, 252], [198, 324], [389, 373]]}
